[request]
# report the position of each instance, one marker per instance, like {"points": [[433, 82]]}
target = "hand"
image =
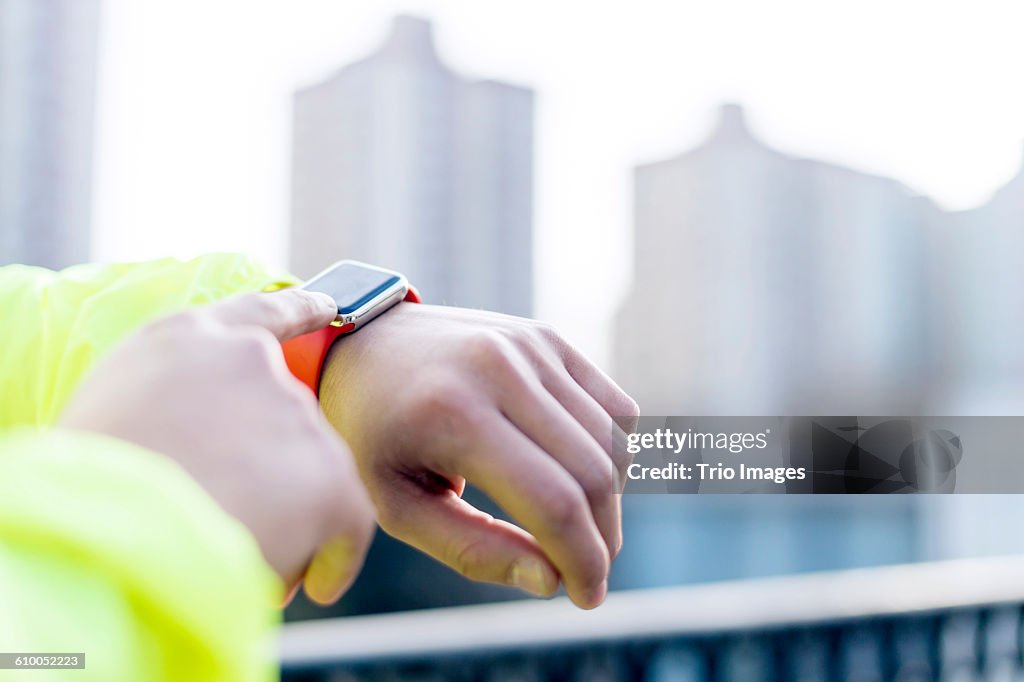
{"points": [[428, 397], [209, 389]]}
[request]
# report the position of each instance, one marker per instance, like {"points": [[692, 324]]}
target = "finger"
{"points": [[584, 409], [286, 313], [470, 541], [334, 568], [612, 399], [539, 493], [547, 423]]}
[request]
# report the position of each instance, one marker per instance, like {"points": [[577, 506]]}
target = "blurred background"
{"points": [[734, 207]]}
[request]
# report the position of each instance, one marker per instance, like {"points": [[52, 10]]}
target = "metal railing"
{"points": [[955, 620]]}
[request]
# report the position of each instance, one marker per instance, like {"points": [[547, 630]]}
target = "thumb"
{"points": [[285, 314], [472, 542]]}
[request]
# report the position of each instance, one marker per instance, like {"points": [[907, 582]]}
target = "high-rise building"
{"points": [[399, 161], [47, 100], [769, 284]]}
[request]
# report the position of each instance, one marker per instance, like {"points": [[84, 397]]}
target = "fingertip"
{"points": [[598, 596], [595, 598], [323, 596], [331, 573], [328, 307], [326, 589]]}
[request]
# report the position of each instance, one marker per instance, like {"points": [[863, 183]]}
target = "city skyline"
{"points": [[193, 148], [581, 316], [193, 157]]}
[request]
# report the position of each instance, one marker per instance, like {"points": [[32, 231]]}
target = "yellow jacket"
{"points": [[107, 548]]}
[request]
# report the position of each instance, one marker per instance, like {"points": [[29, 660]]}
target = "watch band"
{"points": [[305, 354]]}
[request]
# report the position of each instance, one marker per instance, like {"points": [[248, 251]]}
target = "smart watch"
{"points": [[362, 293]]}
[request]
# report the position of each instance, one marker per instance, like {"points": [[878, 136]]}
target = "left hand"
{"points": [[429, 397]]}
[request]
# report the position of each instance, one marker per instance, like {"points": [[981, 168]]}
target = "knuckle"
{"points": [[495, 355], [305, 304], [468, 557], [547, 335], [625, 410], [599, 480], [548, 332], [294, 300], [565, 508], [628, 407], [487, 348], [253, 347]]}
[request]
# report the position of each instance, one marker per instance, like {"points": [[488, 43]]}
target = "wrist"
{"points": [[358, 365], [362, 293]]}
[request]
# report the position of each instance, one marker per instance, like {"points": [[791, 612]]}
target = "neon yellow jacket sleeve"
{"points": [[106, 548]]}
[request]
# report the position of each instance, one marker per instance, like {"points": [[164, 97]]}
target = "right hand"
{"points": [[209, 389]]}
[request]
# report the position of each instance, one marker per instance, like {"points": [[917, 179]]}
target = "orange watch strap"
{"points": [[305, 354]]}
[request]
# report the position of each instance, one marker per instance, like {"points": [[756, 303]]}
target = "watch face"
{"points": [[352, 285]]}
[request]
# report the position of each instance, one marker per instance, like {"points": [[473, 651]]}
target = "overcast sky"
{"points": [[193, 140]]}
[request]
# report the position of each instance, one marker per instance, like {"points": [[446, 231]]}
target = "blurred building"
{"points": [[402, 162], [983, 275], [769, 284], [47, 99]]}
